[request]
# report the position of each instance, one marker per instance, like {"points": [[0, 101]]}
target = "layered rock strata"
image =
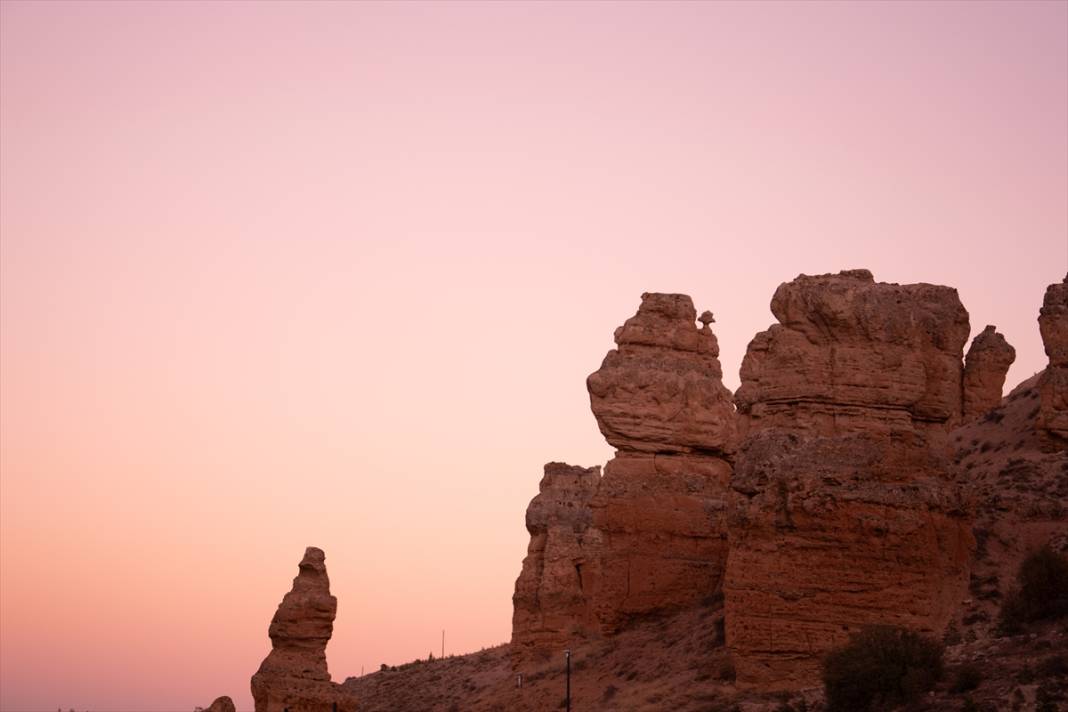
{"points": [[294, 676], [842, 514], [1053, 386], [661, 505], [649, 535], [985, 368], [551, 603], [852, 354]]}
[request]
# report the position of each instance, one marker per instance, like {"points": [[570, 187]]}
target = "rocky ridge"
{"points": [[841, 492]]}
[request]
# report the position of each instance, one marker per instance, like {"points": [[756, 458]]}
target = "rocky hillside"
{"points": [[866, 472]]}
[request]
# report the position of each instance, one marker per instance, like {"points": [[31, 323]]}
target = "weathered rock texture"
{"points": [[551, 602], [650, 535], [221, 704], [661, 390], [842, 513], [852, 354], [661, 506], [1053, 388], [829, 535], [294, 675], [985, 367]]}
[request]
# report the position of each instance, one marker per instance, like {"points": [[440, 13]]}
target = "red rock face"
{"points": [[663, 526], [828, 535], [988, 360], [294, 675], [1053, 388], [661, 505], [649, 535], [851, 354], [842, 513], [551, 603], [661, 390]]}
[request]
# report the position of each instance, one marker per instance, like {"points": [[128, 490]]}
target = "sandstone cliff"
{"points": [[843, 514], [551, 604], [294, 675], [1053, 388]]}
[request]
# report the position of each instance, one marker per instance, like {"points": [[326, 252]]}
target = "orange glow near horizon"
{"points": [[277, 275]]}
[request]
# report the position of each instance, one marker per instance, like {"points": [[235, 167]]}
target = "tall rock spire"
{"points": [[294, 674]]}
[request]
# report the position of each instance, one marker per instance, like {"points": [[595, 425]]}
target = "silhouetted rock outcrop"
{"points": [[294, 675]]}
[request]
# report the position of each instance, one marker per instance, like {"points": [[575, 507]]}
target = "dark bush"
{"points": [[1046, 699], [968, 678], [1041, 592], [1054, 666], [880, 667]]}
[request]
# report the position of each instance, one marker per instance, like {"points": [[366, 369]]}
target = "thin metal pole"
{"points": [[567, 697], [442, 642]]}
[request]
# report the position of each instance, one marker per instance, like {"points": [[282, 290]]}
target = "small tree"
{"points": [[881, 666]]}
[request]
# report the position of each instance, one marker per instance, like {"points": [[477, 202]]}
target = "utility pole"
{"points": [[442, 643], [567, 696]]}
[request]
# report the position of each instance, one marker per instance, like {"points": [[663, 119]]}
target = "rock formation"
{"points": [[551, 602], [661, 390], [850, 354], [985, 367], [294, 676], [661, 505], [1053, 388], [842, 513], [221, 704], [649, 535]]}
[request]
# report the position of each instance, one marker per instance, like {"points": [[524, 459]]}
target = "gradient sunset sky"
{"points": [[278, 275]]}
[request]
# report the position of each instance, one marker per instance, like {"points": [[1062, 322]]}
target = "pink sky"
{"points": [[279, 275]]}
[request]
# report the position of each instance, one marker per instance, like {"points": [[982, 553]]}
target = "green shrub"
{"points": [[1041, 592], [881, 666]]}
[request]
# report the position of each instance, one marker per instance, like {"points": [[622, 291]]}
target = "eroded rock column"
{"points": [[985, 368], [1053, 386], [651, 533], [552, 598], [294, 674], [661, 505]]}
